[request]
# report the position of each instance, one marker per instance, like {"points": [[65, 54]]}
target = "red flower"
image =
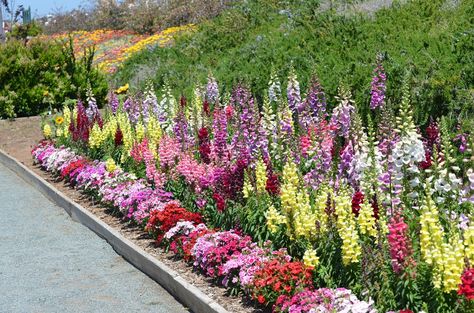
{"points": [[162, 221], [467, 286], [261, 299], [220, 202], [273, 185], [118, 139], [426, 164], [357, 200]]}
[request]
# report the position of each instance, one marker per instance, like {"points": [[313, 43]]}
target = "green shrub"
{"points": [[431, 39], [41, 75]]}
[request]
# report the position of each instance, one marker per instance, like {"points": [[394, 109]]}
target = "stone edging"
{"points": [[176, 285]]}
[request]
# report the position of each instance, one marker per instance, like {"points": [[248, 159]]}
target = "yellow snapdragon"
{"points": [[274, 219], [452, 264], [95, 137], [431, 234], [310, 258], [320, 205], [366, 220], [67, 121], [110, 165], [247, 188], [139, 131], [469, 243], [47, 132], [347, 228], [261, 176], [304, 221]]}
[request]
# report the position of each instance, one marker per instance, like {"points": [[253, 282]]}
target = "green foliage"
{"points": [[41, 75], [431, 39], [23, 31]]}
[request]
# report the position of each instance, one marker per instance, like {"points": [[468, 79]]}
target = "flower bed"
{"points": [[286, 203]]}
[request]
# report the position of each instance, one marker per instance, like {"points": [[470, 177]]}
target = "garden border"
{"points": [[176, 285]]}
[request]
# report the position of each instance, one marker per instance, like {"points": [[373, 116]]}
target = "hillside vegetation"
{"points": [[433, 40]]}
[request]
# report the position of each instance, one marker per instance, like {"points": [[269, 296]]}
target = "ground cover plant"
{"points": [[289, 199], [434, 39]]}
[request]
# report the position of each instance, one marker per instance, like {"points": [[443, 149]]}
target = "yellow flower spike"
{"points": [[310, 258], [261, 176], [110, 165], [347, 229], [320, 209], [274, 219], [95, 138], [47, 131], [453, 264], [469, 243], [366, 220], [247, 188], [67, 121], [139, 131]]}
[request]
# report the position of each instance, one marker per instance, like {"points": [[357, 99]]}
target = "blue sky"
{"points": [[43, 7]]}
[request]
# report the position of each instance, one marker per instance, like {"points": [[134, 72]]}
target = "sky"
{"points": [[42, 7]]}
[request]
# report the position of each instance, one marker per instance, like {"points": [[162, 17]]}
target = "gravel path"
{"points": [[49, 263]]}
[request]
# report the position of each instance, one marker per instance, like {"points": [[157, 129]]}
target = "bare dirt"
{"points": [[18, 137]]}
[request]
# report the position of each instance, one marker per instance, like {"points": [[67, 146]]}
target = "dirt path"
{"points": [[17, 137]]}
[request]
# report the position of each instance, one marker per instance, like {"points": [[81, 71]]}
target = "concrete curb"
{"points": [[176, 285]]}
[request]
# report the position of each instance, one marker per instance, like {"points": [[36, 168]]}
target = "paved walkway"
{"points": [[49, 263]]}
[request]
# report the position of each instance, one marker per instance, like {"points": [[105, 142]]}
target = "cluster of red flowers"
{"points": [[467, 286], [71, 168], [81, 127], [400, 248], [163, 220], [276, 278], [358, 199], [204, 146]]}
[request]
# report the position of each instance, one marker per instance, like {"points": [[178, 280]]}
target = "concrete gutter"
{"points": [[176, 285]]}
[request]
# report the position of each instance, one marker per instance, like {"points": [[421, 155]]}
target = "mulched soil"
{"points": [[18, 137]]}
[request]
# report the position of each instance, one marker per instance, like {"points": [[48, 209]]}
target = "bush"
{"points": [[41, 75]]}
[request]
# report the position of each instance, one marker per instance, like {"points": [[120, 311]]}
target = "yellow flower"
{"points": [[110, 165], [247, 188], [310, 258], [59, 120], [122, 89], [367, 220], [47, 131], [469, 243], [346, 226], [274, 219], [261, 176], [45, 93]]}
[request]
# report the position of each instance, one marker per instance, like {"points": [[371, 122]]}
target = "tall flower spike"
{"points": [[150, 101], [167, 109], [293, 91], [212, 90], [314, 107], [341, 115], [274, 88], [113, 102], [378, 87], [405, 124]]}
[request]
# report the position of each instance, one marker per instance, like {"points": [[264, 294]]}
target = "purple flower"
{"points": [[212, 90], [377, 93]]}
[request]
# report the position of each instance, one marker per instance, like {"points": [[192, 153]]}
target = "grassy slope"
{"points": [[432, 39]]}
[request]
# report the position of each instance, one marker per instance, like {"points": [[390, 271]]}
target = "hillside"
{"points": [[434, 40]]}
